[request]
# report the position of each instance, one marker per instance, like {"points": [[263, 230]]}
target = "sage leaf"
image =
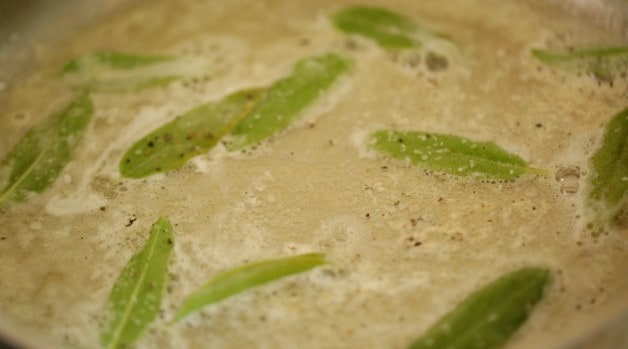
{"points": [[234, 281], [193, 133], [115, 71], [387, 28], [609, 164], [287, 98], [136, 296], [603, 63], [113, 60], [38, 158], [555, 57], [487, 318], [451, 154]]}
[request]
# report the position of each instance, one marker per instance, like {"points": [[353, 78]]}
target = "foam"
{"points": [[231, 208]]}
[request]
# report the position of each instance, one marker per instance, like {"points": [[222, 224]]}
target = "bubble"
{"points": [[568, 177]]}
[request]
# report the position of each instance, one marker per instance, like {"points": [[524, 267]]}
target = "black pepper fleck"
{"points": [[435, 62], [351, 45], [131, 221]]}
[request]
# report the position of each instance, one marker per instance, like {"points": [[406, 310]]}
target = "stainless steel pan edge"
{"points": [[25, 27]]}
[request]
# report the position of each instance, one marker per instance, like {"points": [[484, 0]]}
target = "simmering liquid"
{"points": [[406, 245]]}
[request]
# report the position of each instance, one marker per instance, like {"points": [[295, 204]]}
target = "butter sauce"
{"points": [[406, 244]]}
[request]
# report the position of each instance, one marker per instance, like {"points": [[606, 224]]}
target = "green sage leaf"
{"points": [[113, 60], [488, 317], [555, 57], [115, 71], [387, 28], [603, 63], [193, 133], [38, 158], [237, 280], [287, 98], [609, 165], [451, 154], [136, 296]]}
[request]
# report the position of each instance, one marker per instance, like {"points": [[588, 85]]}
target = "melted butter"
{"points": [[406, 244]]}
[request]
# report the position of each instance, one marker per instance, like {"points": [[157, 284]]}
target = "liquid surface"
{"points": [[406, 245]]}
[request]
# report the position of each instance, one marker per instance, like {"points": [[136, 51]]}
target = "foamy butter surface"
{"points": [[406, 245]]}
